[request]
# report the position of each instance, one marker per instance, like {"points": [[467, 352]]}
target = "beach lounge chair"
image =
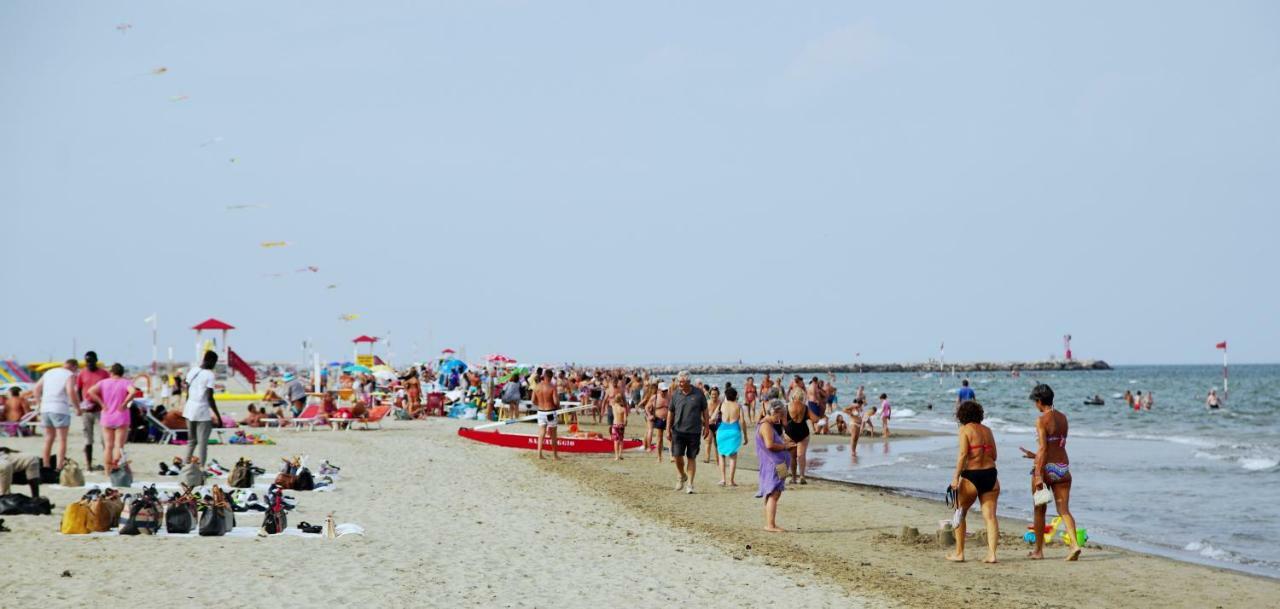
{"points": [[374, 415], [167, 436], [31, 419], [309, 417]]}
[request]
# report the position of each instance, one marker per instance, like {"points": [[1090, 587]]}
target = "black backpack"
{"points": [[303, 481]]}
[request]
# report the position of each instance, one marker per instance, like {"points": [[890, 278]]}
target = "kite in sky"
{"points": [[305, 269], [124, 27], [209, 142], [244, 206], [269, 244], [349, 316], [178, 98], [160, 70], [273, 275], [331, 286], [233, 159]]}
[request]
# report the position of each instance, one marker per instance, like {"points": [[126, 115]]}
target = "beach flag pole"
{"points": [[155, 350], [1226, 391], [532, 417]]}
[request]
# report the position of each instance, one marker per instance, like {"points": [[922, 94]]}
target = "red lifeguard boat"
{"points": [[527, 441]]}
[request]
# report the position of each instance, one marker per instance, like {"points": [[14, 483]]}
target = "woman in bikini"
{"points": [[749, 397], [1052, 469], [975, 478], [796, 429]]}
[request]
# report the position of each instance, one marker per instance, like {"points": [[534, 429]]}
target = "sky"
{"points": [[643, 182]]}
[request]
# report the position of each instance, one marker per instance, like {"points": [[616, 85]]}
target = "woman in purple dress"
{"points": [[774, 457]]}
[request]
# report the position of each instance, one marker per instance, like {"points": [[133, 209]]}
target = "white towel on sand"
{"points": [[244, 533]]}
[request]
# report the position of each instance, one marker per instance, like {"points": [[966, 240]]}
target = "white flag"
{"points": [[150, 320]]}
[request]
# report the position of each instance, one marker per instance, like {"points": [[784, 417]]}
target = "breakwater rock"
{"points": [[846, 368]]}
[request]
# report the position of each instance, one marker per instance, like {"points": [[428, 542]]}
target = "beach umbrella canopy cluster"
{"points": [[450, 366]]}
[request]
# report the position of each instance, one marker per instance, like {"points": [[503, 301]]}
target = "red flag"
{"points": [[242, 367], [1222, 345]]}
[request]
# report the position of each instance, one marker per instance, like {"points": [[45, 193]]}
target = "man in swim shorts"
{"points": [[687, 428], [661, 408], [546, 402], [817, 404], [618, 428]]}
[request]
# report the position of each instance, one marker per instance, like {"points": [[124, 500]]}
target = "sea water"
{"points": [[1179, 480]]}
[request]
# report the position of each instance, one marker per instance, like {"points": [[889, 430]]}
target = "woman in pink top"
{"points": [[114, 393]]}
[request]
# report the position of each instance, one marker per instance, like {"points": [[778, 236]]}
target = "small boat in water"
{"points": [[1095, 401], [568, 444]]}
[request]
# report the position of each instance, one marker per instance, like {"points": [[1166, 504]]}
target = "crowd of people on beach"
{"points": [[683, 418], [686, 417]]}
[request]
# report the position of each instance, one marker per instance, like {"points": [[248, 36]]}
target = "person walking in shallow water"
{"points": [[1052, 470]]}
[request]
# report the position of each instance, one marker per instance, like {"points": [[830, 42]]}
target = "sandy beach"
{"points": [[449, 523], [454, 523]]}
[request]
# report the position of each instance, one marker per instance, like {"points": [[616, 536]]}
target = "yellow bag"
{"points": [[76, 519]]}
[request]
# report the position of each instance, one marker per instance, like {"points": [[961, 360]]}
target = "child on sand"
{"points": [[619, 426]]}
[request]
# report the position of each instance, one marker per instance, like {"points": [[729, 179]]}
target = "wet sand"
{"points": [[853, 537]]}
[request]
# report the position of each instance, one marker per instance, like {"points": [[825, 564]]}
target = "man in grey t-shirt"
{"points": [[687, 426]]}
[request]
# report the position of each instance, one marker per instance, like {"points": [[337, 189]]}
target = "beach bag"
{"points": [[105, 510], [16, 503], [216, 519], [180, 512], [241, 475], [284, 480], [304, 481], [276, 520], [71, 474], [49, 475], [144, 514], [122, 477], [191, 475], [1042, 496], [76, 519], [180, 516]]}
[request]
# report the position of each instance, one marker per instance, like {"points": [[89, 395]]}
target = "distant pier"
{"points": [[849, 368]]}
